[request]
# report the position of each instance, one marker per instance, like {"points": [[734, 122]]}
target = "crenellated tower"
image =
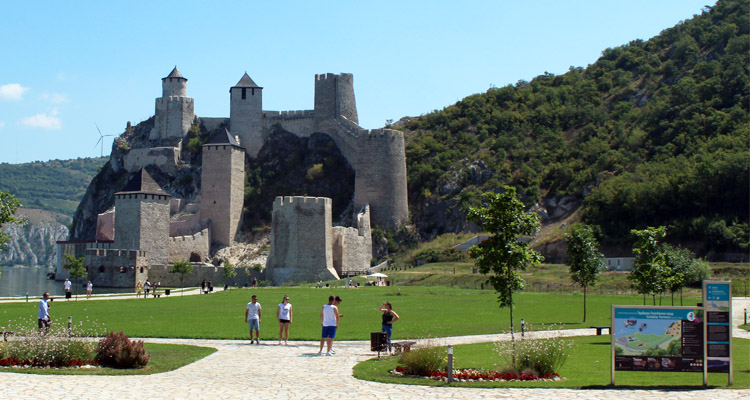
{"points": [[174, 111], [142, 218], [334, 98], [222, 186], [246, 114]]}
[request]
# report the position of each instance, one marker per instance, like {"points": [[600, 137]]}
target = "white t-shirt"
{"points": [[284, 310], [67, 285], [329, 315], [43, 309], [89, 286], [252, 310]]}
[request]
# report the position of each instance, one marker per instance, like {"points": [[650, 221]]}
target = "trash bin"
{"points": [[378, 341], [167, 291], [387, 283]]}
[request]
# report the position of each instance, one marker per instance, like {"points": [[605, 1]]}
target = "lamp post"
{"points": [[450, 363]]}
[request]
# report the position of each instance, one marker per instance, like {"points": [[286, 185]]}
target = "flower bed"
{"points": [[473, 375], [15, 362]]}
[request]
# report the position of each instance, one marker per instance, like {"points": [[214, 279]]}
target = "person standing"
{"points": [[43, 317], [89, 289], [138, 289], [146, 288], [389, 317], [284, 315], [252, 318], [68, 287], [329, 318]]}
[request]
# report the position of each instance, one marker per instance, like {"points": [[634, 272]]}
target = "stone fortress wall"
{"points": [[301, 240], [183, 247], [352, 246], [223, 188]]}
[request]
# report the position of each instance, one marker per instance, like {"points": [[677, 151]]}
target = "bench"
{"points": [[399, 347], [600, 328]]}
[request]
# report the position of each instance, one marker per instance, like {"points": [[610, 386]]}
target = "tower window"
{"points": [[244, 93]]}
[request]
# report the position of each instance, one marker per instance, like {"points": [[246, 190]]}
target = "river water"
{"points": [[18, 281]]}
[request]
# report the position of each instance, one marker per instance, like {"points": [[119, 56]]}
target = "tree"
{"points": [[649, 269], [182, 268], [229, 273], [679, 261], [584, 258], [76, 268], [8, 206], [502, 256]]}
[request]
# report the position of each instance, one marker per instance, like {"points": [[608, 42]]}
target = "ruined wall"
{"points": [[223, 190], [105, 225], [301, 240], [182, 247], [352, 246], [165, 158]]}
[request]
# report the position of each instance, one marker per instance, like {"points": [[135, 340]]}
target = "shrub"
{"points": [[535, 356], [117, 351], [422, 360], [55, 349]]}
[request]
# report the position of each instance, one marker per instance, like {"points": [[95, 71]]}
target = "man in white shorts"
{"points": [[252, 318]]}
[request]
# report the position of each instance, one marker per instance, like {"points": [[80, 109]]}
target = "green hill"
{"points": [[55, 185], [653, 133]]}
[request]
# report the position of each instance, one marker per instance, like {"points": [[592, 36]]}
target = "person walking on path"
{"points": [[146, 288], [329, 318], [389, 317], [284, 315], [252, 318], [89, 289], [138, 288], [68, 287], [43, 317]]}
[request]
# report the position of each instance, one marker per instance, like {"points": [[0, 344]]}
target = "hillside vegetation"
{"points": [[653, 133], [56, 185]]}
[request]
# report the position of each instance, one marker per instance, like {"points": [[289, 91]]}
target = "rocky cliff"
{"points": [[34, 244]]}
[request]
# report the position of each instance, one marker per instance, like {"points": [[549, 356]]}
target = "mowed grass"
{"points": [[588, 366], [164, 358], [424, 311]]}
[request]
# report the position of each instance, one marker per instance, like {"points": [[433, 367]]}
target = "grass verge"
{"points": [[164, 358], [588, 366]]}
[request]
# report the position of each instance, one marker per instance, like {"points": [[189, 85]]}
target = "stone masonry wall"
{"points": [[301, 240], [142, 223], [222, 190], [174, 116], [116, 268], [299, 122], [246, 118], [352, 247], [181, 247]]}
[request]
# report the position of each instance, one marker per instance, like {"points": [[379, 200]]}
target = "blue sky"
{"points": [[70, 65]]}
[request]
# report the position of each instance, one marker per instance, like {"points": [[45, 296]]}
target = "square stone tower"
{"points": [[301, 240], [246, 114], [223, 186], [142, 218]]}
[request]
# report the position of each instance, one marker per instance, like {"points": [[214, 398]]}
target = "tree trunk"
{"points": [[653, 298], [672, 298], [644, 299], [512, 335], [680, 296], [584, 304]]}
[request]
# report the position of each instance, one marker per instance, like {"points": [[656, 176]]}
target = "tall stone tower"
{"points": [[246, 114], [142, 218], [174, 111], [334, 97], [223, 186]]}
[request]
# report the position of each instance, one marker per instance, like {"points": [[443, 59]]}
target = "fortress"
{"points": [[148, 229]]}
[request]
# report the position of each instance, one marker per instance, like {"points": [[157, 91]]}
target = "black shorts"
{"points": [[284, 321]]}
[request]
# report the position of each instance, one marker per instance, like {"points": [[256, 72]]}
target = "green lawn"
{"points": [[424, 311], [164, 358], [588, 366]]}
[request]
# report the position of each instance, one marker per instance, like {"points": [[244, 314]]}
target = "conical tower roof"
{"points": [[175, 74], [142, 182], [223, 137], [246, 82]]}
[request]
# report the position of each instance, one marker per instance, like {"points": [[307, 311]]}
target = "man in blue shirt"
{"points": [[43, 316]]}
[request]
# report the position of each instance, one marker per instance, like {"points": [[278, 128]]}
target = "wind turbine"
{"points": [[101, 138]]}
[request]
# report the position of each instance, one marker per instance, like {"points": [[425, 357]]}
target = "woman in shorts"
{"points": [[284, 315]]}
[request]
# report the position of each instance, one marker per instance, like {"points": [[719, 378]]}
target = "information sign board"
{"points": [[717, 302]]}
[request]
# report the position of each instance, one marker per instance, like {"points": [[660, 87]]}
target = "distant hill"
{"points": [[653, 133], [56, 185]]}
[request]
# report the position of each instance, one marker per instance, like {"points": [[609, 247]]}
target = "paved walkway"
{"points": [[239, 370]]}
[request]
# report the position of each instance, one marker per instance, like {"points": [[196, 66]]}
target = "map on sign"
{"points": [[649, 337]]}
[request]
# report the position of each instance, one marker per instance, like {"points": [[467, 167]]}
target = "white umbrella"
{"points": [[377, 275]]}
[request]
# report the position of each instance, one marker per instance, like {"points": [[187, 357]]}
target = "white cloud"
{"points": [[43, 121], [12, 92], [56, 98]]}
